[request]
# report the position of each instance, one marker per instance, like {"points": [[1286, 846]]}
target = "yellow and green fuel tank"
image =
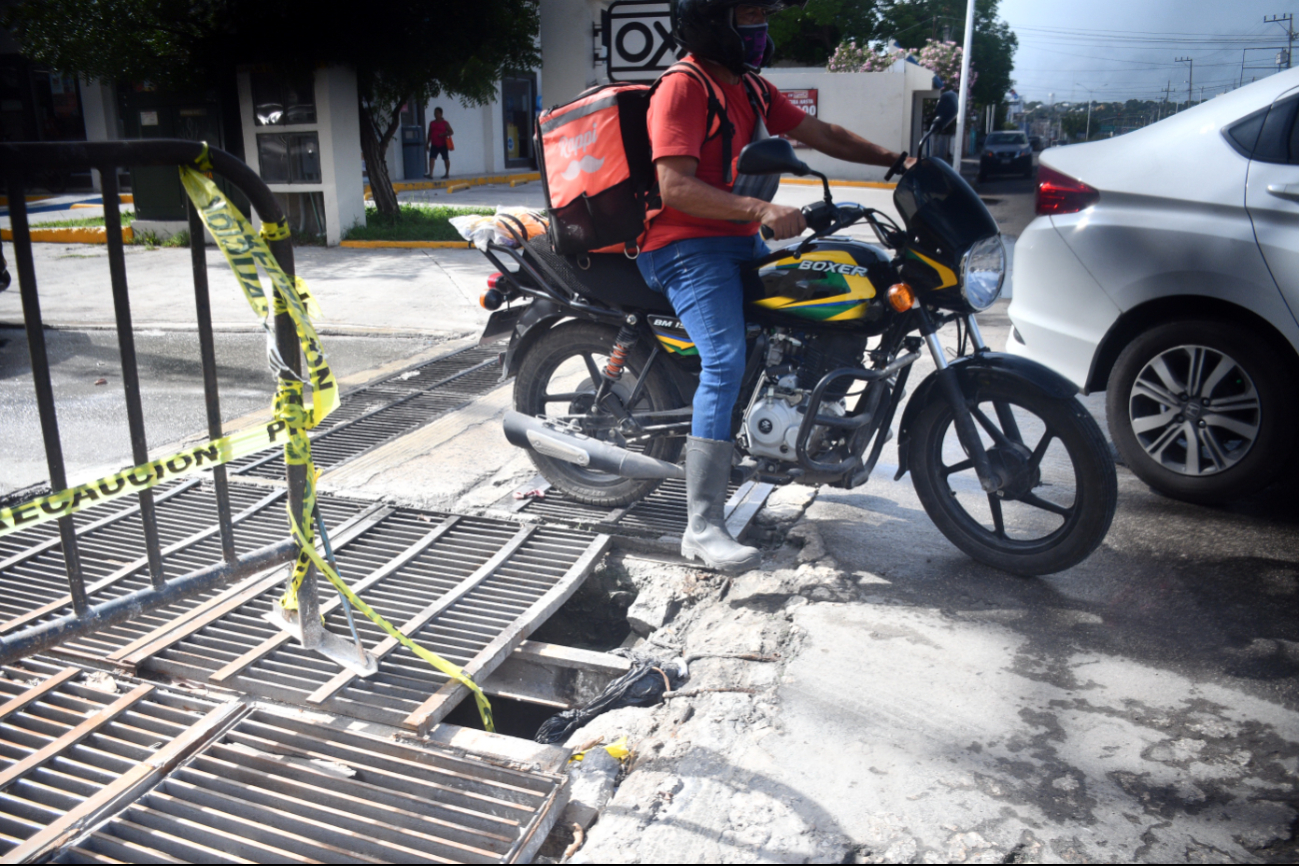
{"points": [[838, 282]]}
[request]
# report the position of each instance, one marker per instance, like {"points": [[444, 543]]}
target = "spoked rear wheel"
{"points": [[558, 378], [1061, 488]]}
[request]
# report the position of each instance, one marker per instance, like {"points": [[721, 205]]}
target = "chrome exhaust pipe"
{"points": [[550, 440]]}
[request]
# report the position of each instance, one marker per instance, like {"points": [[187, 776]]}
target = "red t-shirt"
{"points": [[437, 132], [677, 115]]}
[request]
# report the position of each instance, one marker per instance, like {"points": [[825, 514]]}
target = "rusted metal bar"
{"points": [[51, 632]]}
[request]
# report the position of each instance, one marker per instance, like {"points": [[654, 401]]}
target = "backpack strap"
{"points": [[759, 91], [716, 111]]}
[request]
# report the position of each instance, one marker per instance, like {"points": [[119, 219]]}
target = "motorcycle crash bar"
{"points": [[551, 440]]}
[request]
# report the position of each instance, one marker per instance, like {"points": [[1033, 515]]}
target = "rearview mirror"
{"points": [[771, 156], [946, 111]]}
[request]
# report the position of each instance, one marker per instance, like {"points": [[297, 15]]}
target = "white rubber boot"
{"points": [[708, 470]]}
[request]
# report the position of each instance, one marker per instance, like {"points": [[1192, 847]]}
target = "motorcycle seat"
{"points": [[611, 278]]}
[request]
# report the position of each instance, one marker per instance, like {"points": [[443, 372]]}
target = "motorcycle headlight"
{"points": [[983, 270]]}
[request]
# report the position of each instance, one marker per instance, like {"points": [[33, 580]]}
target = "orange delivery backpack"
{"points": [[597, 171]]}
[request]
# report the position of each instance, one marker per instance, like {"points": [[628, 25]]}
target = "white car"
{"points": [[1163, 268]]}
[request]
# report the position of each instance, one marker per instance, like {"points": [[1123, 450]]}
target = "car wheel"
{"points": [[1199, 411]]}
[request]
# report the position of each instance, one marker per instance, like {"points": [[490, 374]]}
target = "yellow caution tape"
{"points": [[245, 250], [142, 477], [618, 750]]}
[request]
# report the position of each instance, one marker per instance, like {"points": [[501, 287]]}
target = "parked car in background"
{"points": [[1036, 142], [1006, 152], [1163, 269]]}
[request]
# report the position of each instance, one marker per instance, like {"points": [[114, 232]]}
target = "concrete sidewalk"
{"points": [[425, 292]]}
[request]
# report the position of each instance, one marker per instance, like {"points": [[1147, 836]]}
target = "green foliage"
{"points": [[810, 35], [127, 217], [913, 22], [413, 223], [406, 47]]}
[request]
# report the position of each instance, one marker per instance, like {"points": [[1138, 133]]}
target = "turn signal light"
{"points": [[491, 300], [901, 297], [1058, 193]]}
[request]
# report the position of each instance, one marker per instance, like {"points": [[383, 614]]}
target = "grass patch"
{"points": [[128, 217], [413, 223]]}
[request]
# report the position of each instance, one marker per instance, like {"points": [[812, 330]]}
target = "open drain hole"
{"points": [[512, 718], [595, 618]]}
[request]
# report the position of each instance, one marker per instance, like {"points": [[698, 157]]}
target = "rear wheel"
{"points": [[1202, 411], [1060, 492], [558, 377]]}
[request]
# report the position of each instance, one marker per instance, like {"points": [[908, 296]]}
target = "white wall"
{"points": [[876, 105], [99, 110], [568, 49], [338, 127]]}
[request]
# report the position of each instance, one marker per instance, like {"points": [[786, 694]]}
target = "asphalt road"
{"points": [[92, 417]]}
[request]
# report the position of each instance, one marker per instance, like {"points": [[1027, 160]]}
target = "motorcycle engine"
{"points": [[794, 366]]}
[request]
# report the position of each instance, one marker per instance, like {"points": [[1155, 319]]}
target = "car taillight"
{"points": [[1060, 194]]}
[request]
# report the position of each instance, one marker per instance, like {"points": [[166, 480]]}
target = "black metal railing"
{"points": [[22, 162]]}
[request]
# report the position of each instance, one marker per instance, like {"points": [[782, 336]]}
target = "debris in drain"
{"points": [[591, 785], [101, 681], [536, 493], [642, 686]]}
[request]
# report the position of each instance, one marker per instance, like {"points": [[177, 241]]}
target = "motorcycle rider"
{"points": [[696, 248]]}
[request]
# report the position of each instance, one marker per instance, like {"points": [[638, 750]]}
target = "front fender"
{"points": [[981, 368]]}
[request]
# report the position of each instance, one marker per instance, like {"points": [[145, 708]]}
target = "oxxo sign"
{"points": [[637, 36]]}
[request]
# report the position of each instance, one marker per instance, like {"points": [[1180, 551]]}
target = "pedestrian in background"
{"points": [[439, 142]]}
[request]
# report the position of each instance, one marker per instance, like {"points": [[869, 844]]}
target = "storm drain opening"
{"points": [[655, 523], [376, 414], [273, 788], [470, 589]]}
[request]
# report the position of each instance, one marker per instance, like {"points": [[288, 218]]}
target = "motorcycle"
{"points": [[1003, 457]]}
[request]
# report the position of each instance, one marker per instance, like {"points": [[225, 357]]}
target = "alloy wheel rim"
{"points": [[1194, 410]]}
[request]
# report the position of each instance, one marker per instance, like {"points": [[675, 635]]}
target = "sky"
{"points": [[1121, 49]]}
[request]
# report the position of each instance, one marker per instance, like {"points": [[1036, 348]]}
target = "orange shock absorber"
{"points": [[622, 346]]}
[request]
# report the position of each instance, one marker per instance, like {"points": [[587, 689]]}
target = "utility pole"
{"points": [[1088, 136], [1286, 21], [963, 100], [1190, 76]]}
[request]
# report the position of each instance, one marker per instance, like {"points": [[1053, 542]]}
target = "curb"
{"points": [[71, 235], [410, 185], [407, 245], [4, 199], [872, 184]]}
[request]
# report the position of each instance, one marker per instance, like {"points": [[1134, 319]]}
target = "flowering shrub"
{"points": [[849, 57], [942, 58]]}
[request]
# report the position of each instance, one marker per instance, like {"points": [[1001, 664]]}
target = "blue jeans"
{"points": [[701, 277]]}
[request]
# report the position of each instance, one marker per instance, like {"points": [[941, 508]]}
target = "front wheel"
{"points": [[1060, 487]]}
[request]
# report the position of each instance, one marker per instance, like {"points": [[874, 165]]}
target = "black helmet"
{"points": [[706, 28]]}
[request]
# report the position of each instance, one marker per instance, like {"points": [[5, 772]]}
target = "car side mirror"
{"points": [[945, 113], [771, 156]]}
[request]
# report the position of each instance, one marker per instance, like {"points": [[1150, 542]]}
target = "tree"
{"points": [[808, 36], [401, 49], [913, 22]]}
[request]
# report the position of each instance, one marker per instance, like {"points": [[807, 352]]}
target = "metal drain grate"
{"points": [[658, 520], [376, 414], [276, 789], [468, 588], [70, 749], [33, 581]]}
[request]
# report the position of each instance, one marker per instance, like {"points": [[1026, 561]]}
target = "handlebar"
{"points": [[897, 167]]}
